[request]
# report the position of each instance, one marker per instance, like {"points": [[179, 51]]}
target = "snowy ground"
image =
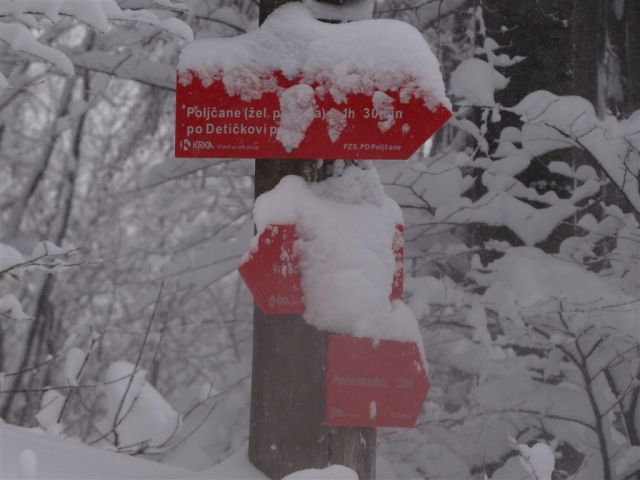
{"points": [[55, 458], [29, 454]]}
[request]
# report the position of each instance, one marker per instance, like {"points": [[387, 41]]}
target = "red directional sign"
{"points": [[272, 271], [371, 384], [212, 123]]}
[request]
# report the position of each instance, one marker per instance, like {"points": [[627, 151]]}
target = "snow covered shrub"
{"points": [[522, 237]]}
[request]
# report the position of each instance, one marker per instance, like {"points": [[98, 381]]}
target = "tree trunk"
{"points": [[559, 40], [562, 41]]}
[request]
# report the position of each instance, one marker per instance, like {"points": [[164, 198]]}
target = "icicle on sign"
{"points": [[300, 88], [272, 271]]}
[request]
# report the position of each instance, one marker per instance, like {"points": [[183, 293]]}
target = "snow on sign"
{"points": [[272, 271], [373, 384], [300, 88]]}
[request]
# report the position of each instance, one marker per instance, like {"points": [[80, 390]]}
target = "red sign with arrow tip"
{"points": [[374, 384], [272, 271], [210, 123]]}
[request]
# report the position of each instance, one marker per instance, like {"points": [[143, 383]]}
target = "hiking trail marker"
{"points": [[211, 123], [272, 271], [373, 384], [300, 89]]}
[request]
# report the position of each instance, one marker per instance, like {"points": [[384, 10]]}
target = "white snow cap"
{"points": [[538, 460], [9, 257], [10, 307], [476, 81], [359, 57], [74, 359], [346, 227], [50, 409], [332, 472], [28, 465], [144, 416]]}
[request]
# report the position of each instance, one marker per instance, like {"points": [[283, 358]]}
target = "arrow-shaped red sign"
{"points": [[212, 123], [272, 271], [374, 384]]}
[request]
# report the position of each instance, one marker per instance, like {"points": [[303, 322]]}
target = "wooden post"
{"points": [[288, 378]]}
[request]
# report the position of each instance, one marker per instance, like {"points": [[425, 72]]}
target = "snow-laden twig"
{"points": [[117, 420]]}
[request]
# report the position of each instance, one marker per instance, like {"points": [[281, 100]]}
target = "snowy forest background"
{"points": [[522, 255]]}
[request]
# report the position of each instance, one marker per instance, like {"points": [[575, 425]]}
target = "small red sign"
{"points": [[212, 123], [272, 271], [373, 384]]}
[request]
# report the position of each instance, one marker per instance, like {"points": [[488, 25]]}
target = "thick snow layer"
{"points": [[553, 122], [28, 464], [627, 461], [538, 460], [73, 361], [9, 257], [359, 57], [333, 472], [512, 469], [297, 105], [346, 227], [32, 454], [427, 291], [476, 81], [46, 248], [10, 307], [136, 412], [18, 37], [498, 207], [95, 13], [50, 408], [527, 278], [57, 458]]}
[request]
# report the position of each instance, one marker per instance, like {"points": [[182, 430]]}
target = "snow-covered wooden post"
{"points": [[287, 91], [288, 376]]}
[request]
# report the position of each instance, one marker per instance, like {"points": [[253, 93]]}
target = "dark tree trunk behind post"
{"points": [[564, 42], [632, 51], [624, 42], [288, 377], [623, 68], [561, 42]]}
